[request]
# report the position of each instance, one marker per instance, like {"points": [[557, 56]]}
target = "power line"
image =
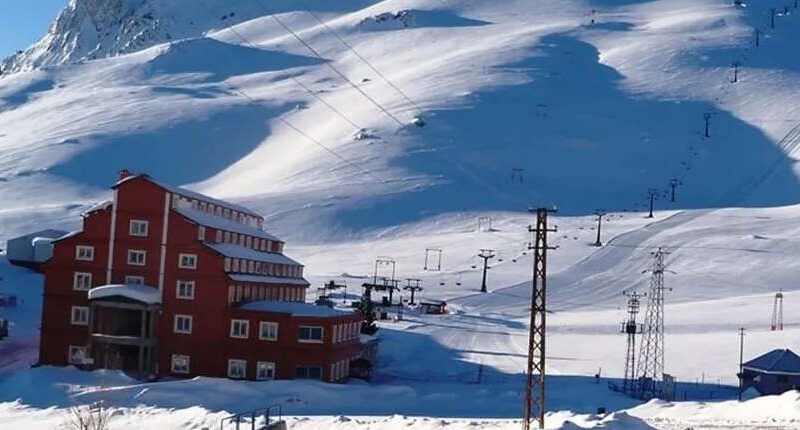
{"points": [[295, 80], [364, 60], [328, 63], [285, 121]]}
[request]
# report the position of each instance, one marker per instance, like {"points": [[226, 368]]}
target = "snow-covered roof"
{"points": [[218, 222], [140, 293], [236, 251], [775, 361], [190, 194], [47, 233], [105, 204], [68, 235], [261, 279], [295, 309]]}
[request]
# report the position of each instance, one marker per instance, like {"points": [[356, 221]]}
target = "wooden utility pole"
{"points": [[741, 359], [486, 254], [534, 406], [673, 184]]}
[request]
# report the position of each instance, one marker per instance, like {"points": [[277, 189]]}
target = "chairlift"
{"points": [[474, 266], [499, 260]]}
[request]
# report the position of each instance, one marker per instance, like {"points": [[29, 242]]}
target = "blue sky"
{"points": [[23, 22]]}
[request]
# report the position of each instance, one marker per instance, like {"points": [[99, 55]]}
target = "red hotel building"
{"points": [[163, 281]]}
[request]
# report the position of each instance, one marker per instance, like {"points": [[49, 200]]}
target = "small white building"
{"points": [[32, 249]]}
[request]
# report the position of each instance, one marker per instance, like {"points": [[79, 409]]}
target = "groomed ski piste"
{"points": [[598, 101]]}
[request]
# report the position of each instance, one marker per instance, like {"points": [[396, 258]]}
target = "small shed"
{"points": [[32, 249], [775, 372], [438, 307]]}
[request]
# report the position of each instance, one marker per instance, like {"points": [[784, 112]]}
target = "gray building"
{"points": [[32, 249]]}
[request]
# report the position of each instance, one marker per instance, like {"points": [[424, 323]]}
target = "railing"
{"points": [[251, 417]]}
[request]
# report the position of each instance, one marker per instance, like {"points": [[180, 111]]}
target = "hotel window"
{"points": [[263, 245], [248, 242], [201, 233], [251, 266], [134, 280], [237, 369], [308, 372], [310, 334], [187, 261], [227, 237], [77, 354], [240, 329], [185, 290], [219, 236], [269, 246], [84, 253], [82, 281], [80, 315], [136, 257], [241, 240], [265, 370], [138, 228], [180, 363], [268, 330], [235, 265], [183, 324]]}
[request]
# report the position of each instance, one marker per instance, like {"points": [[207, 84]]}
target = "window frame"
{"points": [[133, 222], [73, 320], [79, 248], [270, 365], [177, 317], [246, 326], [307, 368], [129, 277], [262, 324], [175, 357], [70, 348], [132, 252], [75, 281], [237, 361], [180, 261], [178, 295], [311, 329]]}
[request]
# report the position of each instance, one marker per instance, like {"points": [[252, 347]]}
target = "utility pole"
{"points": [[631, 329], [741, 359], [413, 288], [486, 254], [651, 194], [772, 18], [758, 37], [600, 214], [673, 184], [651, 355], [707, 119], [777, 312], [534, 406], [736, 65]]}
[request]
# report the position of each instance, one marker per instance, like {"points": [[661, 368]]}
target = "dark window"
{"points": [[308, 372]]}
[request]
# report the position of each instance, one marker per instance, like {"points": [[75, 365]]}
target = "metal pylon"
{"points": [[651, 353], [777, 312], [631, 329], [534, 406]]}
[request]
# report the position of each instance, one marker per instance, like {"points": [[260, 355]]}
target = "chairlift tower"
{"points": [[651, 353], [534, 406], [777, 312], [413, 286], [430, 252], [631, 328]]}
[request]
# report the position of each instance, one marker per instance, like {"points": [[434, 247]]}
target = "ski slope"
{"points": [[597, 101]]}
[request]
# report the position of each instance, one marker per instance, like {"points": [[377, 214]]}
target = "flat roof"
{"points": [[298, 309]]}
